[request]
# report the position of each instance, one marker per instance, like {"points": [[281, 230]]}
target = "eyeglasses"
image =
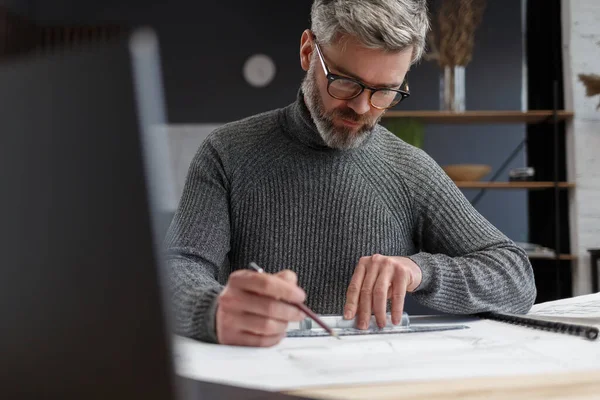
{"points": [[345, 88]]}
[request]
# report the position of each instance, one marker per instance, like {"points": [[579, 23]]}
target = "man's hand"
{"points": [[250, 309], [376, 279]]}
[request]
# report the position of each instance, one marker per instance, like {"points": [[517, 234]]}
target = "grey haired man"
{"points": [[339, 212]]}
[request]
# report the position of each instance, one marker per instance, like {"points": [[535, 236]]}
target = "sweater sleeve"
{"points": [[197, 244], [467, 264]]}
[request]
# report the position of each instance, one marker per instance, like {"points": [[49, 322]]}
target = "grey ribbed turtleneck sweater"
{"points": [[267, 189]]}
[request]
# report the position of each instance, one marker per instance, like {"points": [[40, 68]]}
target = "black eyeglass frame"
{"points": [[334, 77]]}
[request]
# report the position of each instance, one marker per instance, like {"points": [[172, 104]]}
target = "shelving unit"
{"points": [[508, 117], [482, 117], [562, 257], [513, 185]]}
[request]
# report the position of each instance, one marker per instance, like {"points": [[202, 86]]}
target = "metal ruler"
{"points": [[347, 327]]}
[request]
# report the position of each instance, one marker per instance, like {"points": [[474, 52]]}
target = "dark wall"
{"points": [[205, 43], [18, 6], [493, 82]]}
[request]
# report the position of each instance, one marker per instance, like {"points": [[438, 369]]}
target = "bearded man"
{"points": [[339, 212]]}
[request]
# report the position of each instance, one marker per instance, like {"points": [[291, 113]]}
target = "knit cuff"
{"points": [[205, 315], [426, 263]]}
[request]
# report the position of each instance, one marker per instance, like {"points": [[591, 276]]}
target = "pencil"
{"points": [[302, 307]]}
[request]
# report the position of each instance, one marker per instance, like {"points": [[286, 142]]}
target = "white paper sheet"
{"points": [[488, 348], [587, 306]]}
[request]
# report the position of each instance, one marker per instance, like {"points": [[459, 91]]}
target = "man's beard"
{"points": [[336, 137]]}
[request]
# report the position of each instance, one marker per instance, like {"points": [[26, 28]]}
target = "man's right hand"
{"points": [[251, 310]]}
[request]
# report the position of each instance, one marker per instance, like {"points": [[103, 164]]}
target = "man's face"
{"points": [[345, 124]]}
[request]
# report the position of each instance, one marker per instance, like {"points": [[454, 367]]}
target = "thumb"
{"points": [[288, 276]]}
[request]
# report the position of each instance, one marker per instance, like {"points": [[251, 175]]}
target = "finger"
{"points": [[236, 300], [229, 331], [230, 334], [266, 285], [288, 276], [366, 296], [353, 292], [260, 325], [380, 293], [250, 339], [399, 283]]}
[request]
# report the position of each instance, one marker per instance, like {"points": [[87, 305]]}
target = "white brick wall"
{"points": [[581, 54]]}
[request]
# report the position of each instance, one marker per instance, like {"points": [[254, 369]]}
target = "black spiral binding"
{"points": [[588, 332]]}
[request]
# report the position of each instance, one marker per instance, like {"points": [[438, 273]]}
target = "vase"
{"points": [[452, 88]]}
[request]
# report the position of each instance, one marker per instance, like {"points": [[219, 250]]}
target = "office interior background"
{"points": [[527, 102]]}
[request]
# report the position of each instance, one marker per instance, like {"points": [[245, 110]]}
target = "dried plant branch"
{"points": [[456, 23], [433, 53]]}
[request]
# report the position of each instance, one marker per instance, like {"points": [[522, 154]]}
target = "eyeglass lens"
{"points": [[344, 89]]}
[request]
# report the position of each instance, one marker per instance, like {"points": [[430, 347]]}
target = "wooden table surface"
{"points": [[572, 385]]}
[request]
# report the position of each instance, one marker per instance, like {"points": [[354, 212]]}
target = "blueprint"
{"points": [[486, 349]]}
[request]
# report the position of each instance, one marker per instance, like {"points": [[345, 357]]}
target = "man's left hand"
{"points": [[376, 279]]}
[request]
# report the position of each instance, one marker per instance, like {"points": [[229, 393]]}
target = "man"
{"points": [[339, 212]]}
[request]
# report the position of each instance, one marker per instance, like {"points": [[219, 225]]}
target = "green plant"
{"points": [[409, 130]]}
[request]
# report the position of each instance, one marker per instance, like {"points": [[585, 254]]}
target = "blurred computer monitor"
{"points": [[83, 185], [86, 199]]}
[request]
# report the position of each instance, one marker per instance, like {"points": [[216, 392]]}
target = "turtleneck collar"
{"points": [[301, 125]]}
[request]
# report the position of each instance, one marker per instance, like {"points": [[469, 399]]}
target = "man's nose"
{"points": [[360, 104]]}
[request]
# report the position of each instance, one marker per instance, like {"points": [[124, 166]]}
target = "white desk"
{"points": [[568, 386]]}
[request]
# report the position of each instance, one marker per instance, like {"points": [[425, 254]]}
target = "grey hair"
{"points": [[390, 25]]}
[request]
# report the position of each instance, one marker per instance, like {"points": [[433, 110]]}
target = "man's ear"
{"points": [[306, 49]]}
